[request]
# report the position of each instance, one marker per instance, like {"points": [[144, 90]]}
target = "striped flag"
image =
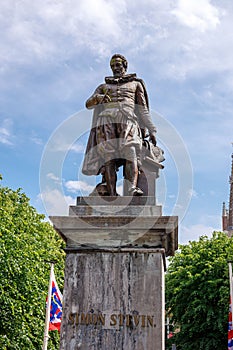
{"points": [[230, 330], [56, 306]]}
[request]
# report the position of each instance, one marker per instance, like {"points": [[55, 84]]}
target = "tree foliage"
{"points": [[26, 242], [197, 293]]}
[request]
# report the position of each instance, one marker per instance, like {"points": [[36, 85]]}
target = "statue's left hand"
{"points": [[153, 138]]}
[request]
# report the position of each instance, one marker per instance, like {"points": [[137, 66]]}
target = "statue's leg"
{"points": [[131, 171], [111, 177]]}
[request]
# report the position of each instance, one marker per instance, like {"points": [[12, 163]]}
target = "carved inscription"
{"points": [[86, 318], [120, 320]]}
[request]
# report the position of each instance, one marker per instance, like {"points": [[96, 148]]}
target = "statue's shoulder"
{"points": [[100, 88], [141, 81]]}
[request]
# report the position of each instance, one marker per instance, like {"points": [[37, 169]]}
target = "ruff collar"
{"points": [[124, 79]]}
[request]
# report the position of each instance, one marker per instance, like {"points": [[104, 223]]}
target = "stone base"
{"points": [[114, 276], [113, 222], [113, 300]]}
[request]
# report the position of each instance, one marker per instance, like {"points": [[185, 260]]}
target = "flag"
{"points": [[230, 330], [56, 306]]}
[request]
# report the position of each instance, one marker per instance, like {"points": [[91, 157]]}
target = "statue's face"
{"points": [[117, 67]]}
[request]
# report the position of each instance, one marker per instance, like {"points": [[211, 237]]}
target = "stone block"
{"points": [[114, 300]]}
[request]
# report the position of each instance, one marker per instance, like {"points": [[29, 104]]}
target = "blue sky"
{"points": [[54, 54]]}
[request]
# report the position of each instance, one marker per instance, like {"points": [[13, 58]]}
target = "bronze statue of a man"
{"points": [[121, 116]]}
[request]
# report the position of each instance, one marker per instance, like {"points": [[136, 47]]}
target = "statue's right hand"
{"points": [[101, 98]]}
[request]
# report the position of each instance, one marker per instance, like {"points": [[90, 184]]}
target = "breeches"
{"points": [[118, 140]]}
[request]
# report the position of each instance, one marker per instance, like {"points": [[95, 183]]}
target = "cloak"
{"points": [[93, 163]]}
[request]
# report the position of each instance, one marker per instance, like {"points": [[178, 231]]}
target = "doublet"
{"points": [[116, 125], [127, 94]]}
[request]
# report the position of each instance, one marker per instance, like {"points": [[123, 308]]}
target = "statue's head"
{"points": [[118, 64]]}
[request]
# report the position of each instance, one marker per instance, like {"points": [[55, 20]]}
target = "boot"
{"points": [[131, 175], [111, 177]]}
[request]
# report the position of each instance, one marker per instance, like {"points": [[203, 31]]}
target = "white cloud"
{"points": [[6, 136], [51, 176], [101, 15], [37, 140], [171, 196], [62, 34], [85, 188], [193, 232], [55, 202], [200, 15], [60, 144], [192, 193], [43, 30], [78, 148], [74, 186]]}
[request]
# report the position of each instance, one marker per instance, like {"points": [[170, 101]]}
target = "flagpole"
{"points": [[47, 317], [231, 284]]}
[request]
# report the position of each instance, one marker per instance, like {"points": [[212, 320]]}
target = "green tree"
{"points": [[26, 241], [197, 293]]}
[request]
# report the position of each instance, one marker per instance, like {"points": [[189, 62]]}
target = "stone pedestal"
{"points": [[114, 276]]}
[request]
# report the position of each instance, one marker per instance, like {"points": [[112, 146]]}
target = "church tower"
{"points": [[230, 215], [227, 216], [224, 217]]}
